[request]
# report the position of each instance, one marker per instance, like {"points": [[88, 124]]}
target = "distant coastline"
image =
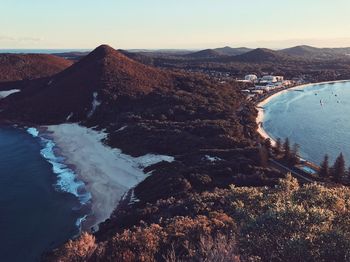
{"points": [[261, 111]]}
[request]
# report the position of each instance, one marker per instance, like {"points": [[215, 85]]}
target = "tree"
{"points": [[286, 149], [294, 157], [324, 170], [278, 146], [339, 168]]}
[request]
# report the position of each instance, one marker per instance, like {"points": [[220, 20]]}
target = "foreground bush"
{"points": [[285, 223]]}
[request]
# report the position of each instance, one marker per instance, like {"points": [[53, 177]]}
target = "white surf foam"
{"points": [[66, 178]]}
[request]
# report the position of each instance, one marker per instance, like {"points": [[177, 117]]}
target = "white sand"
{"points": [[4, 94], [260, 106], [107, 172]]}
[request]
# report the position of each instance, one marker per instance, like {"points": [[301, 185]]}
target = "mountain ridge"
{"points": [[311, 52], [15, 67], [261, 55], [230, 51], [204, 54], [104, 71]]}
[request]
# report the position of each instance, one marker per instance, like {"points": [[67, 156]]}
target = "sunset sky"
{"points": [[191, 24]]}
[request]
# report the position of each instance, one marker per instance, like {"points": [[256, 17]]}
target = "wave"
{"points": [[66, 178]]}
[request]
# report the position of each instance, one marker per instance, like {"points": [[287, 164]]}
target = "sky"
{"points": [[173, 24]]}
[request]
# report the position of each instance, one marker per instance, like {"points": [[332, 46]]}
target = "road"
{"points": [[286, 169]]}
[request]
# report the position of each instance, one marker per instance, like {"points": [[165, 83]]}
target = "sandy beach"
{"points": [[260, 106], [4, 94], [107, 172]]}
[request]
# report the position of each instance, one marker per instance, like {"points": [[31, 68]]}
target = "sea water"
{"points": [[41, 201], [316, 117]]}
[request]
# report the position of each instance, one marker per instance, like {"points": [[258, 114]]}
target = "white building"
{"points": [[280, 78], [268, 79], [264, 86], [251, 78], [268, 86]]}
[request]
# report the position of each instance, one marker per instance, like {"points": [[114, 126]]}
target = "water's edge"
{"points": [[66, 178], [264, 108]]}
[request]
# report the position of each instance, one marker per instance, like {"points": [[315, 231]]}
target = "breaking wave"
{"points": [[66, 178]]}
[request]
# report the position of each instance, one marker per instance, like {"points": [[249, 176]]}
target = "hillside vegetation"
{"points": [[286, 223], [14, 67]]}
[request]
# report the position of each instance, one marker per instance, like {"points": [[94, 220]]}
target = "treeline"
{"points": [[337, 172], [289, 155], [281, 150]]}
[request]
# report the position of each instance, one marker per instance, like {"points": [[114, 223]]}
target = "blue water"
{"points": [[318, 119], [36, 214]]}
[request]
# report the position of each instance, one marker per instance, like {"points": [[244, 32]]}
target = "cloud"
{"points": [[16, 40]]}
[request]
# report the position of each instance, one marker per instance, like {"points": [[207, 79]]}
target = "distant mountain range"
{"points": [[229, 51], [207, 53], [299, 52], [229, 54], [263, 54], [310, 52], [244, 55], [219, 52]]}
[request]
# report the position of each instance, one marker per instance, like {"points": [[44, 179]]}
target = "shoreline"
{"points": [[65, 177], [260, 105], [99, 170], [106, 172]]}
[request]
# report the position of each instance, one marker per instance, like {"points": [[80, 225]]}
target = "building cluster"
{"points": [[268, 82], [265, 84]]}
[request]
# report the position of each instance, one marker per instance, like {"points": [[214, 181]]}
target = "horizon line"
{"points": [[160, 49]]}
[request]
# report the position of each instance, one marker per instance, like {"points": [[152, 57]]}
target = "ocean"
{"points": [[316, 117], [41, 201]]}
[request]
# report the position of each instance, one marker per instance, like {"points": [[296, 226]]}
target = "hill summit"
{"points": [[261, 55], [204, 54], [103, 75]]}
